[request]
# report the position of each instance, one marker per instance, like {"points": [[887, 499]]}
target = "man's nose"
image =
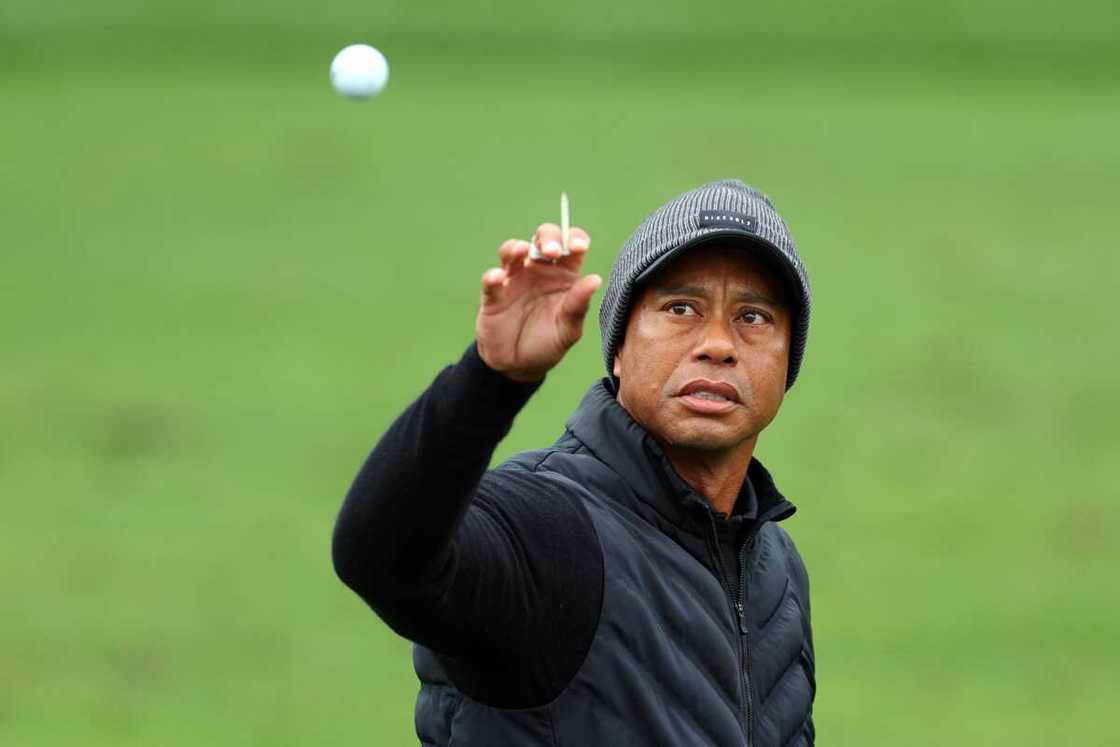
{"points": [[716, 343]]}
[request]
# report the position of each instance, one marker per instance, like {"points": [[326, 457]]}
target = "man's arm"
{"points": [[489, 568], [396, 526]]}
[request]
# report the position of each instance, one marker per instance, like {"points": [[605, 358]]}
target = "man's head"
{"points": [[708, 292], [704, 361]]}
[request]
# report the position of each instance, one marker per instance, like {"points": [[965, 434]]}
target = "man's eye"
{"points": [[753, 317], [680, 309]]}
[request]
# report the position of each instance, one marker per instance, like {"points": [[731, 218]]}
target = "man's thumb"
{"points": [[576, 301]]}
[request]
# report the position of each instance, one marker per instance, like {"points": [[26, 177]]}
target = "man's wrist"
{"points": [[520, 377], [490, 383]]}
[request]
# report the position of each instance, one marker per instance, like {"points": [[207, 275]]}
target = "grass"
{"points": [[221, 282]]}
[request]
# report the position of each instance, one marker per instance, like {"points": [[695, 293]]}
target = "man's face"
{"points": [[703, 363]]}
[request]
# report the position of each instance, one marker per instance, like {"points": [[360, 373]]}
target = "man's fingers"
{"points": [[505, 251], [513, 253], [545, 247], [547, 241], [578, 239], [578, 244], [493, 283]]}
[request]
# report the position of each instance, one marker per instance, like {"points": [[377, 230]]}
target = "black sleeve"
{"points": [[490, 568]]}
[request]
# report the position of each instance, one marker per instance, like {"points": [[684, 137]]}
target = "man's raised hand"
{"points": [[532, 310]]}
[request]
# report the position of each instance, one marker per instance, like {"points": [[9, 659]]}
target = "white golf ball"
{"points": [[359, 71]]}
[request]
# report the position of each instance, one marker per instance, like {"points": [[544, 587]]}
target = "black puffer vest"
{"points": [[683, 654]]}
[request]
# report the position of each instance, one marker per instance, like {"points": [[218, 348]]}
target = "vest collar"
{"points": [[607, 429]]}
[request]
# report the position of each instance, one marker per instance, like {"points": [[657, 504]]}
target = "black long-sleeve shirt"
{"points": [[487, 568]]}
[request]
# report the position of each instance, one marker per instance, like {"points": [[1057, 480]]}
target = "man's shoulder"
{"points": [[567, 448], [788, 548], [566, 470], [553, 466]]}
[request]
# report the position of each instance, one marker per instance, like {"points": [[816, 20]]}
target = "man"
{"points": [[628, 585]]}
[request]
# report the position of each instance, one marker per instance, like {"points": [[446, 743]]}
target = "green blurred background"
{"points": [[220, 281]]}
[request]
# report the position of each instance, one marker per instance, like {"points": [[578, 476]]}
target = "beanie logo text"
{"points": [[727, 219]]}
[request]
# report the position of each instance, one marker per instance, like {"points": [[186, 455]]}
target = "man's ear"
{"points": [[617, 368]]}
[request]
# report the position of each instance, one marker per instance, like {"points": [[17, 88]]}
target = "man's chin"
{"points": [[706, 438]]}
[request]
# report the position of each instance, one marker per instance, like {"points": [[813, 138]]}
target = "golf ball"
{"points": [[359, 71]]}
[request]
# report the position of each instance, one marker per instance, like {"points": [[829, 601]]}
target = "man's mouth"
{"points": [[712, 396], [709, 397]]}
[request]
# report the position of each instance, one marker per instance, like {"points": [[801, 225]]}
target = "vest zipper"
{"points": [[735, 597], [745, 633]]}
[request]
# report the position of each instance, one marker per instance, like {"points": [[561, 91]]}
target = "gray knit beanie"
{"points": [[726, 209]]}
